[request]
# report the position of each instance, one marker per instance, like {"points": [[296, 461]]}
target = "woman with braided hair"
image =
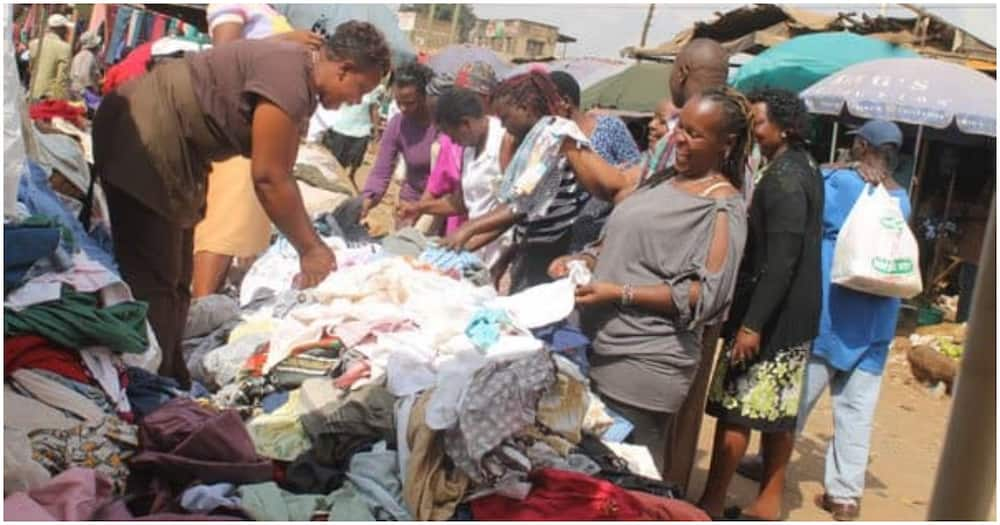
{"points": [[759, 377], [666, 268], [528, 106]]}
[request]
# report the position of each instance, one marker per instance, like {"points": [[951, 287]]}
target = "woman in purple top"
{"points": [[410, 133]]}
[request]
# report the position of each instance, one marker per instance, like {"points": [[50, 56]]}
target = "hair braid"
{"points": [[533, 90], [738, 120]]}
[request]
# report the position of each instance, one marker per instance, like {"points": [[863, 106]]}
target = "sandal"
{"points": [[839, 511]]}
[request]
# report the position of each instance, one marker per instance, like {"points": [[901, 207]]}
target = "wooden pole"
{"points": [[965, 487], [72, 31], [833, 143], [938, 244], [919, 168], [913, 174], [42, 28], [454, 23], [645, 26]]}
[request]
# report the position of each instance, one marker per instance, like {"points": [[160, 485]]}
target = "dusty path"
{"points": [[907, 439]]}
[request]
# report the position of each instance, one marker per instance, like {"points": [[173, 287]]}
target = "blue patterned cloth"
{"points": [[613, 142]]}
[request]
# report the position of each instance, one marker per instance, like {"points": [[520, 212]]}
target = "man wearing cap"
{"points": [[50, 58], [855, 328], [84, 73]]}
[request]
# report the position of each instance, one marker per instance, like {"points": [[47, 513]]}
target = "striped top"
{"points": [[539, 184], [560, 215]]}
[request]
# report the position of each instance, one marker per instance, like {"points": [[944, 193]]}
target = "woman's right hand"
{"points": [[457, 240], [299, 36], [560, 267], [408, 211], [315, 264]]}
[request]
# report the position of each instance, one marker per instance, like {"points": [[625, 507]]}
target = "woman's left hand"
{"points": [[598, 293], [746, 346]]}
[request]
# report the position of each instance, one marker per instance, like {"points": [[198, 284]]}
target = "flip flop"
{"points": [[737, 514], [710, 516]]}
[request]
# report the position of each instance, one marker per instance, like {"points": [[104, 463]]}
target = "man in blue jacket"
{"points": [[856, 328]]}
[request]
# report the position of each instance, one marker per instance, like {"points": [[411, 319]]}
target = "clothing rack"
{"points": [[126, 26]]}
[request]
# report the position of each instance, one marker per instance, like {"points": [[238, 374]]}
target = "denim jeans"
{"points": [[855, 396]]}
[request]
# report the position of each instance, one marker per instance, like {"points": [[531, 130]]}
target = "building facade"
{"points": [[517, 38]]}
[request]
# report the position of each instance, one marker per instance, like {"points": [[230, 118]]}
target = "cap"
{"points": [[477, 76], [90, 40], [58, 20], [439, 84], [879, 132]]}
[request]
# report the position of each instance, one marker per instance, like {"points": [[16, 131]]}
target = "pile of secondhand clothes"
{"points": [[400, 388]]}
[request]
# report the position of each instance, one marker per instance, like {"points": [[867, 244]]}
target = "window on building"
{"points": [[510, 45], [535, 48]]}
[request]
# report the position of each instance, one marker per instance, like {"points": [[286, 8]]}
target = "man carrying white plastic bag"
{"points": [[866, 244]]}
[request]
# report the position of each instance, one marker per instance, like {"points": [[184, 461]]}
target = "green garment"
{"points": [[268, 502], [346, 505], [279, 435], [77, 321], [52, 65]]}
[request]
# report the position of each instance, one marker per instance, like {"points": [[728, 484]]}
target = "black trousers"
{"points": [[156, 260]]}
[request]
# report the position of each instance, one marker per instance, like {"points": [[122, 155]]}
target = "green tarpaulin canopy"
{"points": [[802, 61], [638, 88]]}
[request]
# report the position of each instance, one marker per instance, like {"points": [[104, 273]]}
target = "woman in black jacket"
{"points": [[775, 314]]}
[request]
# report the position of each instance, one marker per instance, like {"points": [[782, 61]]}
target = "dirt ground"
{"points": [[907, 439], [908, 435]]}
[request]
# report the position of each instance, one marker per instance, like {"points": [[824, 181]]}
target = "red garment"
{"points": [[36, 352], [47, 109], [560, 495], [132, 66], [657, 508], [357, 371], [159, 28]]}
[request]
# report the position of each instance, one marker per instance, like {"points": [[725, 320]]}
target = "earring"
{"points": [[784, 135]]}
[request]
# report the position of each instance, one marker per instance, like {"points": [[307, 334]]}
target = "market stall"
{"points": [[953, 135]]}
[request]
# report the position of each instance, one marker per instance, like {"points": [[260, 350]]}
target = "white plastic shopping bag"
{"points": [[876, 252]]}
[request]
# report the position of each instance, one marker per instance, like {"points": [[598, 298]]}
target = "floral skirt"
{"points": [[763, 394]]}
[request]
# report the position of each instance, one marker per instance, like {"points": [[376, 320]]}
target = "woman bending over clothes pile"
{"points": [[155, 139]]}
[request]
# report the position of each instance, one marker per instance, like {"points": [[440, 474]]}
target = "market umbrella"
{"points": [[638, 88], [449, 59], [329, 16], [802, 61], [919, 91]]}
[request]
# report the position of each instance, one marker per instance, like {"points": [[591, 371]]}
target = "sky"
{"points": [[604, 29]]}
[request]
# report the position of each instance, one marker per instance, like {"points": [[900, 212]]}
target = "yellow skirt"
{"points": [[235, 223]]}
